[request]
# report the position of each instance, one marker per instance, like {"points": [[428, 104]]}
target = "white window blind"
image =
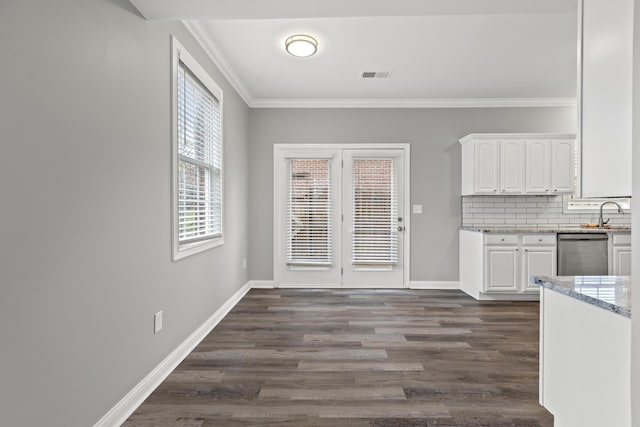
{"points": [[199, 160], [309, 212], [375, 210]]}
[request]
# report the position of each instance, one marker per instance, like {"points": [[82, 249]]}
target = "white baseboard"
{"points": [[261, 284], [421, 284], [323, 286], [130, 402], [414, 284]]}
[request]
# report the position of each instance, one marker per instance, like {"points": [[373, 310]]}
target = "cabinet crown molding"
{"points": [[502, 136]]}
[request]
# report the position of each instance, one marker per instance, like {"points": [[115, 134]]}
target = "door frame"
{"points": [[315, 148]]}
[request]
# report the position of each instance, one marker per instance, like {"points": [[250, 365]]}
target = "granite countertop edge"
{"points": [[547, 282], [546, 230]]}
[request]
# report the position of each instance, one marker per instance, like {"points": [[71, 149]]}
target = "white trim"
{"points": [[475, 136], [579, 87], [322, 286], [206, 42], [132, 400], [280, 151], [407, 215], [348, 146], [414, 103], [482, 296], [180, 54], [428, 284], [261, 284]]}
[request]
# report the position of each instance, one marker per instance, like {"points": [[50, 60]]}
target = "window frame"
{"points": [[180, 54]]}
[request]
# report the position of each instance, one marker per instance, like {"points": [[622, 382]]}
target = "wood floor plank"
{"points": [[359, 366], [343, 393], [358, 358]]}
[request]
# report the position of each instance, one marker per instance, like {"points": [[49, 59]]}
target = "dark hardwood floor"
{"points": [[358, 358]]}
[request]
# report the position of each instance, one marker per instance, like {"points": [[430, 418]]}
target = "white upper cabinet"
{"points": [[511, 167], [538, 166], [563, 166], [605, 96], [487, 158], [511, 164]]}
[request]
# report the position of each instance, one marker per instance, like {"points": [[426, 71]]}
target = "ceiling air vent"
{"points": [[376, 74]]}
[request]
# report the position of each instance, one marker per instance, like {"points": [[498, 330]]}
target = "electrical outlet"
{"points": [[244, 263], [157, 322], [417, 209]]}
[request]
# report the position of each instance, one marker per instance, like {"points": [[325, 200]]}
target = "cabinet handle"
{"points": [[546, 189], [517, 250], [526, 250], [503, 190], [555, 190], [502, 240]]}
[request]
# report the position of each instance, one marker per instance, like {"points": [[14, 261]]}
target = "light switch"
{"points": [[157, 322], [417, 209]]}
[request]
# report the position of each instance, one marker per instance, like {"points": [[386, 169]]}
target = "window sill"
{"points": [[185, 250], [592, 205]]}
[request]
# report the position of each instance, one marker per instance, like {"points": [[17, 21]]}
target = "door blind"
{"points": [[199, 160], [309, 212], [375, 210]]}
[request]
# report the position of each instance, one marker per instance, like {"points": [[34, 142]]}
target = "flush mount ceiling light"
{"points": [[301, 45]]}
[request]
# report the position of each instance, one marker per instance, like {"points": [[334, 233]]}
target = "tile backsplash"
{"points": [[534, 211]]}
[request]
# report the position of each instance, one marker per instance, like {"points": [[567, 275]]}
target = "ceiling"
{"points": [[441, 53]]}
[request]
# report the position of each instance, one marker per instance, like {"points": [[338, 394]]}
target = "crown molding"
{"points": [[415, 103], [205, 40]]}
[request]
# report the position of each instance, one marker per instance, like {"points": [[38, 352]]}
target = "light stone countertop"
{"points": [[612, 293], [524, 230]]}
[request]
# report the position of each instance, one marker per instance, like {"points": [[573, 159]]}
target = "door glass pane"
{"points": [[308, 212], [375, 212]]}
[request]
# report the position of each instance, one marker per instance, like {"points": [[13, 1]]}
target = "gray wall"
{"points": [[435, 167], [85, 253]]}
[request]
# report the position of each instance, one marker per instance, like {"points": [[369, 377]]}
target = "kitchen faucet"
{"points": [[601, 222]]}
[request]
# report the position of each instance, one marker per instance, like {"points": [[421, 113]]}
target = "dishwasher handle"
{"points": [[583, 236]]}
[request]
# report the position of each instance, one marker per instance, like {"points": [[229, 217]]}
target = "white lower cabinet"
{"points": [[501, 269], [495, 266], [537, 261], [620, 255]]}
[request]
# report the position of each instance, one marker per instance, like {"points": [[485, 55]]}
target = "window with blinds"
{"points": [[197, 171], [375, 211], [309, 212]]}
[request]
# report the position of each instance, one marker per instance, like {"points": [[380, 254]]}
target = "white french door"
{"points": [[339, 215], [373, 226]]}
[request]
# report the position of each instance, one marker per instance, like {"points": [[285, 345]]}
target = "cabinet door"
{"points": [[621, 261], [606, 97], [486, 166], [538, 170], [501, 269], [563, 167], [537, 261], [512, 167]]}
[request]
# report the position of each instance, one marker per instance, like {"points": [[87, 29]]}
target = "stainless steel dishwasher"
{"points": [[583, 254]]}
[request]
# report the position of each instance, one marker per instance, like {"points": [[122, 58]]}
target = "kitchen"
{"points": [[542, 218], [94, 76]]}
